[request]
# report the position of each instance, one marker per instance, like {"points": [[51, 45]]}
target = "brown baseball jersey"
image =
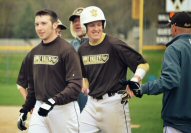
{"points": [[55, 73], [22, 76], [105, 64]]}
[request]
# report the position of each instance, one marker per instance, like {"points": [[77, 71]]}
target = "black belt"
{"points": [[108, 93]]}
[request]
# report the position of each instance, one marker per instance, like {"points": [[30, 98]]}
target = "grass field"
{"points": [[9, 68], [145, 112]]}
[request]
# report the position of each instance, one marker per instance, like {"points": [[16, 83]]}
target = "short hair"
{"points": [[51, 13]]}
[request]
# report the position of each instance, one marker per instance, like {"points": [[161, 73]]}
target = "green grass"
{"points": [[9, 68], [10, 95], [154, 58], [145, 112]]}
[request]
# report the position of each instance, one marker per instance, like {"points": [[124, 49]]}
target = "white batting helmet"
{"points": [[91, 14]]}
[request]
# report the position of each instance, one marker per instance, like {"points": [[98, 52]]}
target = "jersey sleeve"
{"points": [[73, 78], [30, 99], [128, 56], [22, 76], [72, 65]]}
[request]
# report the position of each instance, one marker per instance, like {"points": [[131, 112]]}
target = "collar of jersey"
{"points": [[99, 41], [50, 43]]}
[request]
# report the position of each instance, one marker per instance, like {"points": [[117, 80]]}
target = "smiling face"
{"points": [[77, 27], [94, 31], [45, 29]]}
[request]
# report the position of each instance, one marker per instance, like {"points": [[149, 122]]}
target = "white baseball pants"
{"points": [[61, 119], [107, 115]]}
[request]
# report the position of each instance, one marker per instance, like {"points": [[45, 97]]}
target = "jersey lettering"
{"points": [[95, 59], [45, 59]]}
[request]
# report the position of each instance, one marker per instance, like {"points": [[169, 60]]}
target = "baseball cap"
{"points": [[76, 13], [61, 26], [181, 19]]}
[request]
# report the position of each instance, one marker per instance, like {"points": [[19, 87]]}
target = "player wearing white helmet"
{"points": [[104, 61]]}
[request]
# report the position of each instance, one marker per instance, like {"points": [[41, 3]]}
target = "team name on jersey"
{"points": [[45, 59], [95, 59]]}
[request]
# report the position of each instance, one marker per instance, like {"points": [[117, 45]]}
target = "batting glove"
{"points": [[22, 120], [46, 107], [134, 86]]}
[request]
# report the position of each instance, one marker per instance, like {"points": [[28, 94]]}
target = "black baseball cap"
{"points": [[181, 19], [76, 13], [61, 25]]}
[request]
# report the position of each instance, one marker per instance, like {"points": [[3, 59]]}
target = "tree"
{"points": [[7, 10], [118, 15], [25, 29]]}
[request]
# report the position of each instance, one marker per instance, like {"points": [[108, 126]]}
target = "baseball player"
{"points": [[105, 61], [22, 83], [54, 81], [78, 32]]}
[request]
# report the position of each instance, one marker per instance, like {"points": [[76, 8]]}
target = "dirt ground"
{"points": [[8, 119], [9, 116]]}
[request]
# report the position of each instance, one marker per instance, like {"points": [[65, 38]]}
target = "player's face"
{"points": [[77, 27], [44, 28], [94, 31]]}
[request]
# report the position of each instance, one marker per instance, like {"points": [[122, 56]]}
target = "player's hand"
{"points": [[46, 107], [31, 111], [22, 120], [124, 96], [135, 87], [85, 91], [130, 92], [85, 86]]}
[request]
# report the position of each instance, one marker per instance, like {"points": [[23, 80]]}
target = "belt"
{"points": [[109, 94]]}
